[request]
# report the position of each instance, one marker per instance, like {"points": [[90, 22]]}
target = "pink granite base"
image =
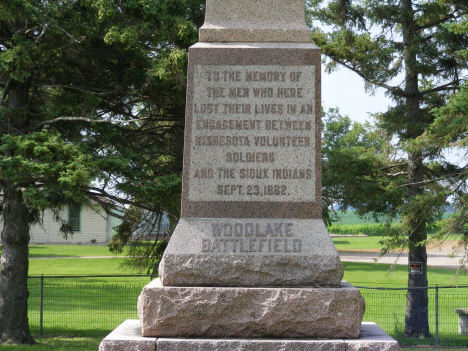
{"points": [[213, 312]]}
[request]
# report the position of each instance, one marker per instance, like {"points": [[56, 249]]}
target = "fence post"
{"points": [[437, 315], [41, 308]]}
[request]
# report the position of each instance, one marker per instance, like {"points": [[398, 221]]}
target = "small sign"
{"points": [[415, 267]]}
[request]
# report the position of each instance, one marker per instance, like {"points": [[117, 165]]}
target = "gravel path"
{"points": [[435, 258]]}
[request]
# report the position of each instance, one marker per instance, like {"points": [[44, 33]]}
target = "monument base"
{"points": [[128, 337], [278, 312]]}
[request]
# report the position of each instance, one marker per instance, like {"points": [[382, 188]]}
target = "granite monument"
{"points": [[250, 265]]}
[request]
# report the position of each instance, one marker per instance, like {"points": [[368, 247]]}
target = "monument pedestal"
{"points": [[213, 312]]}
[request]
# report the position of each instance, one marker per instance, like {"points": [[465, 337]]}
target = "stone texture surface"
{"points": [[250, 312], [237, 141], [295, 202], [372, 338], [255, 21], [249, 345], [295, 252], [127, 337]]}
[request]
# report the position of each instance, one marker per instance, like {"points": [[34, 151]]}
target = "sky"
{"points": [[345, 89]]}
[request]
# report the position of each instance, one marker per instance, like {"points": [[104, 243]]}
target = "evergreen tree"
{"points": [[406, 48], [92, 96], [450, 132]]}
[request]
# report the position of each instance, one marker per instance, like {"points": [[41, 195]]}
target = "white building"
{"points": [[89, 223]]}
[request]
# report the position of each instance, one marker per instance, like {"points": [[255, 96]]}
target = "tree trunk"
{"points": [[416, 319], [14, 293]]}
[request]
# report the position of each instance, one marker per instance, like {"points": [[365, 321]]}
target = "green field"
{"points": [[350, 223], [363, 243], [68, 251], [350, 217]]}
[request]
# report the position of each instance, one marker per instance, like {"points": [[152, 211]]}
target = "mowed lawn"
{"points": [[78, 266], [57, 344], [46, 260], [69, 251], [357, 243], [384, 275]]}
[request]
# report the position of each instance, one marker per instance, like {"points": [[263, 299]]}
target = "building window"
{"points": [[74, 218]]}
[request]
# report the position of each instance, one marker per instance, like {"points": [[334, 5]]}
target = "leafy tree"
{"points": [[353, 156], [405, 48], [92, 96]]}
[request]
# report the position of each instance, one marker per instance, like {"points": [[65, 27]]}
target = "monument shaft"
{"points": [[251, 186]]}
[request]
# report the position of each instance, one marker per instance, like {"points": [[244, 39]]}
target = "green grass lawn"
{"points": [[387, 307], [78, 266], [380, 275], [57, 344], [362, 243], [68, 251], [83, 307]]}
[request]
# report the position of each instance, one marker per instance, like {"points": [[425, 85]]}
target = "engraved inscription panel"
{"points": [[252, 135]]}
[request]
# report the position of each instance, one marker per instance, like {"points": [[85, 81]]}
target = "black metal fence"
{"points": [[387, 307], [84, 306], [95, 305]]}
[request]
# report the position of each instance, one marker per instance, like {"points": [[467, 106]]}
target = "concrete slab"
{"points": [[249, 345], [128, 337], [372, 338]]}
